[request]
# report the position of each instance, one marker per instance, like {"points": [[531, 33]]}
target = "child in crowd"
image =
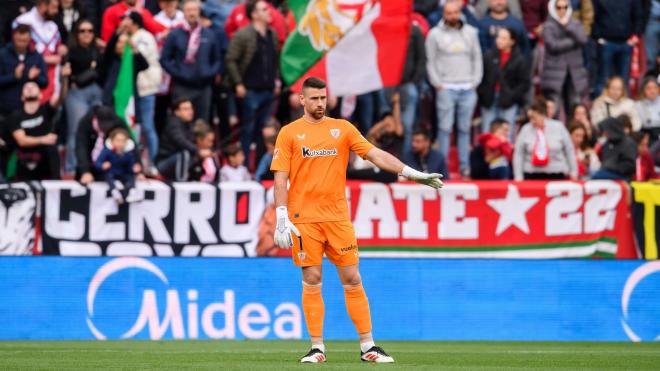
{"points": [[233, 170], [204, 169], [118, 165], [645, 169], [497, 150]]}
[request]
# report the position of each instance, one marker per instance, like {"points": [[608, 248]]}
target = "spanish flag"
{"points": [[357, 46]]}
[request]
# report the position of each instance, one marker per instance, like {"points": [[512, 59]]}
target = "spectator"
{"points": [[369, 108], [85, 92], [18, 65], [498, 16], [118, 166], [645, 168], [191, 55], [534, 14], [496, 150], [587, 159], [169, 17], [387, 134], [263, 169], [252, 70], [505, 83], [551, 108], [219, 11], [240, 17], [147, 80], [90, 138], [616, 29], [655, 71], [455, 69], [655, 153], [233, 170], [564, 78], [10, 10], [614, 102], [68, 14], [423, 157], [114, 14], [652, 34], [580, 115], [544, 149], [46, 41], [648, 108], [618, 154], [112, 62], [512, 6], [206, 169], [583, 12], [414, 72], [177, 143], [32, 129]]}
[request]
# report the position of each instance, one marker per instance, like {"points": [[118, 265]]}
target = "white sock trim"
{"points": [[366, 346], [320, 347]]}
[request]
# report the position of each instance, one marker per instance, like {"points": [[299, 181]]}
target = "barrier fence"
{"points": [[410, 299], [530, 220]]}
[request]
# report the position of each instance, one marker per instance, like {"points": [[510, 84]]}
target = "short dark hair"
{"points": [[250, 5], [423, 132], [232, 149], [314, 83], [21, 28], [497, 123], [179, 101], [540, 105], [201, 128], [512, 34]]}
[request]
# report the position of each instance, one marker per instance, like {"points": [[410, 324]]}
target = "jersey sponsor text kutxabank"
{"points": [[316, 156]]}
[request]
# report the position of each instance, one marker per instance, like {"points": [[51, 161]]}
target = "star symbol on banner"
{"points": [[512, 210]]}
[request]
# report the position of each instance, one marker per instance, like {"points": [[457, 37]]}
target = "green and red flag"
{"points": [[124, 91], [356, 46]]}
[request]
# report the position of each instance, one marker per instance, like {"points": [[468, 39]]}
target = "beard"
{"points": [[318, 114]]}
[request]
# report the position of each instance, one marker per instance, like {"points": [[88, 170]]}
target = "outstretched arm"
{"points": [[387, 162]]}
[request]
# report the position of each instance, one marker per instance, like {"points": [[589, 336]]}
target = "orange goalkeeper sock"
{"points": [[312, 302], [358, 308]]}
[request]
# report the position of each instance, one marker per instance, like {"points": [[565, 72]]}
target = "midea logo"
{"points": [[635, 278], [253, 322]]}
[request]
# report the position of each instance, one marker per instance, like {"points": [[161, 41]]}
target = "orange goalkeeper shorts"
{"points": [[335, 239]]}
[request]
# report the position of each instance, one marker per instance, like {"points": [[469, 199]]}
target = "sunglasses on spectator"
{"points": [[561, 7], [85, 30]]}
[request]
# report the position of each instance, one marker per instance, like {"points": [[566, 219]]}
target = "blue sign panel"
{"points": [[410, 299]]}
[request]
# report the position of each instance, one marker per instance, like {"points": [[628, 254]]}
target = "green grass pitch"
{"points": [[342, 355]]}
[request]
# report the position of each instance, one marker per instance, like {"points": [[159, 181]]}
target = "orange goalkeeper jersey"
{"points": [[316, 157]]}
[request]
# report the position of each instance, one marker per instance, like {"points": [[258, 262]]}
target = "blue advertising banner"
{"points": [[411, 299]]}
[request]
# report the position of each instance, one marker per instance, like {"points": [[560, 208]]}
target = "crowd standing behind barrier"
{"points": [[595, 62]]}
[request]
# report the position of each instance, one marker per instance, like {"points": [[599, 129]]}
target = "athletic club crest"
{"points": [[335, 133]]}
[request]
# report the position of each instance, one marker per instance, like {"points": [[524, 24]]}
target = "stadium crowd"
{"points": [[526, 89]]}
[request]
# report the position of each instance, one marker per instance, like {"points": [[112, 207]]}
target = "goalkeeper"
{"points": [[312, 216]]}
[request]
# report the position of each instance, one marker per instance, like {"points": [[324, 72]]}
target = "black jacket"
{"points": [[514, 79], [177, 136], [619, 153], [617, 20], [414, 70], [99, 120]]}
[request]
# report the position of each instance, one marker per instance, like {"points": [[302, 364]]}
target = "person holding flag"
{"points": [[123, 62]]}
